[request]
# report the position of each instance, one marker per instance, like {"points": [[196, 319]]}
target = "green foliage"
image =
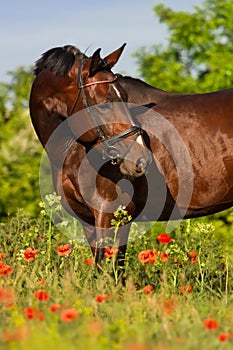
{"points": [[19, 149], [198, 55], [121, 217], [169, 317]]}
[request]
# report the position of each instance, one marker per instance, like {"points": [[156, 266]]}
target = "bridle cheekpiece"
{"points": [[110, 150]]}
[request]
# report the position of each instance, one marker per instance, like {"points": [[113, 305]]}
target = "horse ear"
{"points": [[96, 63], [113, 57]]}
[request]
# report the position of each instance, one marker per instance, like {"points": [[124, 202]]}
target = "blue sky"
{"points": [[28, 28]]}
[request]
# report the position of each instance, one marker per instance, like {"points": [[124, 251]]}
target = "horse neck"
{"points": [[140, 92]]}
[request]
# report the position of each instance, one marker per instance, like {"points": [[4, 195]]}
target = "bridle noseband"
{"points": [[110, 151]]}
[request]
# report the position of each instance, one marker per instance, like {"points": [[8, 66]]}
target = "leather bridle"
{"points": [[110, 150]]}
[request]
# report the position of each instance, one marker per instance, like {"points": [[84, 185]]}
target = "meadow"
{"points": [[178, 292]]}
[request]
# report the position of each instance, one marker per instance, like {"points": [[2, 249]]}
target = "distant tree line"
{"points": [[20, 151], [198, 54]]}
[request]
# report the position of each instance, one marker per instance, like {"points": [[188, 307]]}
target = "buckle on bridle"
{"points": [[112, 153]]}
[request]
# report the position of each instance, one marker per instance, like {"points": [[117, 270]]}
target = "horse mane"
{"points": [[58, 60]]}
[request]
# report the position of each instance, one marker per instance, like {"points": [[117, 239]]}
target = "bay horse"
{"points": [[187, 173], [78, 111], [205, 124]]}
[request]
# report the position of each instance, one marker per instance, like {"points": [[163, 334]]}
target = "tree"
{"points": [[198, 56], [20, 150]]}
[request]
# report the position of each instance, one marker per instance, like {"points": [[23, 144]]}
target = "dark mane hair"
{"points": [[59, 60]]}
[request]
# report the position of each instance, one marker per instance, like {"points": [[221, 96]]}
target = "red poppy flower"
{"points": [[6, 336], [148, 289], [89, 261], [41, 294], [17, 335], [40, 316], [193, 257], [32, 313], [137, 347], [164, 257], [148, 256], [169, 306], [225, 336], [64, 249], [55, 307], [101, 297], [1, 255], [7, 296], [185, 288], [5, 269], [29, 254], [68, 315], [210, 323], [42, 282], [110, 252], [164, 238]]}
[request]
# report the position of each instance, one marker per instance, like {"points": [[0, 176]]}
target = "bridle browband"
{"points": [[110, 150], [98, 82]]}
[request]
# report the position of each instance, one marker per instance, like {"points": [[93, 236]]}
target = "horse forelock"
{"points": [[59, 60]]}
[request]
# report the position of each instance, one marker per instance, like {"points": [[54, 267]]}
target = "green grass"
{"points": [[168, 318]]}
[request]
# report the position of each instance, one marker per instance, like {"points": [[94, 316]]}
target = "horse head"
{"points": [[108, 122]]}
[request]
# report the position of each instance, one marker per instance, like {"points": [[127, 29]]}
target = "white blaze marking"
{"points": [[117, 91], [140, 140]]}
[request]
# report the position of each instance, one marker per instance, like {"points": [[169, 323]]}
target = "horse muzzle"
{"points": [[132, 156]]}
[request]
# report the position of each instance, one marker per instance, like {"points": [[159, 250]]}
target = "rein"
{"points": [[110, 150]]}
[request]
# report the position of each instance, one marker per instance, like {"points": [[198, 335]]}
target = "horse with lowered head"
{"points": [[164, 156], [95, 147]]}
